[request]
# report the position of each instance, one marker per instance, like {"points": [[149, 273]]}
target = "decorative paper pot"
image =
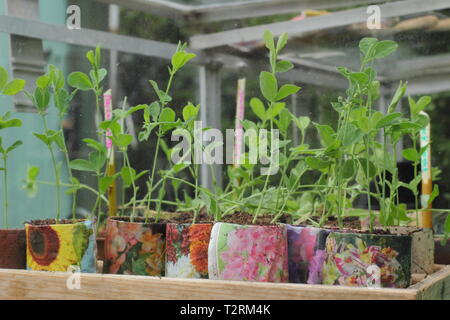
{"points": [[249, 253], [187, 250], [57, 247], [355, 259], [134, 248], [12, 249], [306, 253]]}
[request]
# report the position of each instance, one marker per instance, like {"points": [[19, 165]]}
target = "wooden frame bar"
{"points": [[22, 284]]}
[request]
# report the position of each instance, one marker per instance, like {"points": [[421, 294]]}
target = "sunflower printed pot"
{"points": [[135, 248], [12, 249], [187, 250], [367, 260], [306, 253], [248, 253], [56, 247]]}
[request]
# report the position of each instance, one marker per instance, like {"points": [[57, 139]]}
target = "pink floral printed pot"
{"points": [[306, 250], [134, 248], [248, 253]]}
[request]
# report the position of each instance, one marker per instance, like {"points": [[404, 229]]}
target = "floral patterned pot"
{"points": [[56, 247], [306, 253], [12, 249], [248, 253], [355, 259], [187, 250], [134, 247]]}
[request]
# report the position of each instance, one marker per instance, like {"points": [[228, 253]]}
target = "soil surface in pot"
{"points": [[245, 218], [350, 225], [169, 217], [46, 222]]}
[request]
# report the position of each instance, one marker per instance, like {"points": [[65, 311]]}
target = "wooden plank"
{"points": [[434, 287], [22, 284], [332, 20]]}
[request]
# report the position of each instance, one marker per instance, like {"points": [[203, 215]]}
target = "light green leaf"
{"points": [[13, 87], [411, 155], [268, 84], [286, 90], [275, 109], [327, 134], [82, 165], [258, 108], [3, 78], [284, 66], [80, 81]]}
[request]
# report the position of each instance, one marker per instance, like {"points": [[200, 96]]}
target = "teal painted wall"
{"points": [[33, 152]]}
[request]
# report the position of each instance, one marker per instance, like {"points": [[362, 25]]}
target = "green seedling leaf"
{"points": [[399, 94], [42, 98], [122, 140], [162, 96], [284, 66], [94, 144], [384, 48], [434, 194], [268, 39], [106, 182], [351, 134], [258, 108], [43, 138], [411, 155], [128, 176], [190, 112], [275, 109], [10, 123], [317, 164], [30, 186], [167, 115], [3, 78], [80, 81], [14, 146], [269, 85], [287, 90], [180, 58], [82, 165], [348, 169], [43, 81], [326, 133], [282, 41], [13, 87], [388, 120], [366, 43], [372, 169]]}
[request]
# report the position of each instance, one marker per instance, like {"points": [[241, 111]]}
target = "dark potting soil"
{"points": [[46, 222], [245, 218], [350, 225], [171, 217]]}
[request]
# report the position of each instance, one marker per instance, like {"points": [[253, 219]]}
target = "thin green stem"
{"points": [[5, 193]]}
